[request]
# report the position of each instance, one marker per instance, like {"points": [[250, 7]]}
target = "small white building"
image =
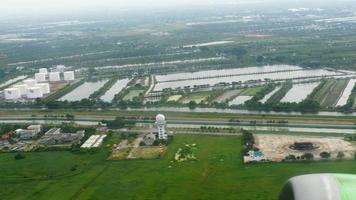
{"points": [[161, 127], [30, 82], [43, 70], [68, 76], [34, 92], [54, 77], [12, 93], [40, 77], [44, 87]]}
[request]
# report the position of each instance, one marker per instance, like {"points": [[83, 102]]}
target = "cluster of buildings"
{"points": [[40, 85], [31, 137], [55, 136]]}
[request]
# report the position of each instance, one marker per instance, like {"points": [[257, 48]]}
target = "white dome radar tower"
{"points": [[161, 127]]}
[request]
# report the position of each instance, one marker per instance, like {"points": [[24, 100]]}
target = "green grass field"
{"points": [[132, 94], [251, 91], [219, 174]]}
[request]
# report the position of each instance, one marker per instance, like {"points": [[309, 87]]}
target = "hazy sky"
{"points": [[21, 7]]}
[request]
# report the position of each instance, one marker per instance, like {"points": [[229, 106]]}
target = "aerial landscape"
{"points": [[177, 100]]}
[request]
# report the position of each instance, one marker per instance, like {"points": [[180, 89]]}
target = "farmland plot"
{"points": [[83, 91], [228, 95], [329, 94], [299, 92]]}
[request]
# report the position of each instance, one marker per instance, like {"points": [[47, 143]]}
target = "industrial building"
{"points": [[23, 89], [12, 93], [40, 77], [68, 76], [34, 92], [30, 133], [44, 87], [55, 136], [30, 82], [54, 76]]}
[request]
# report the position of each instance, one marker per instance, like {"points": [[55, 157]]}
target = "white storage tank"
{"points": [[44, 87], [60, 68], [40, 77], [30, 82], [54, 77], [34, 92], [12, 93], [69, 76], [23, 89], [43, 70]]}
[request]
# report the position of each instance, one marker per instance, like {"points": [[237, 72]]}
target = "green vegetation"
{"points": [[132, 94], [328, 92], [276, 97], [219, 172], [251, 91]]}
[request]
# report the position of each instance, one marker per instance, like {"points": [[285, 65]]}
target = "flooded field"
{"points": [[115, 89], [229, 79], [226, 72], [207, 44], [299, 92], [264, 100], [240, 100], [347, 92], [83, 91]]}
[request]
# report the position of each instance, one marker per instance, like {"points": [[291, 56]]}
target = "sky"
{"points": [[23, 7]]}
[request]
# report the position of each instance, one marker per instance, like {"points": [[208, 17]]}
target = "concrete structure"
{"points": [[54, 77], [30, 82], [34, 92], [161, 127], [43, 70], [12, 93], [68, 76], [40, 77], [23, 89], [44, 87]]}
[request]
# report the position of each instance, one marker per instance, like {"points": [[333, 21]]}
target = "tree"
{"points": [[325, 155], [19, 156], [307, 156], [340, 155], [291, 158], [192, 104]]}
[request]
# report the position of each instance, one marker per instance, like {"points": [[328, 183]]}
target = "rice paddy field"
{"points": [[331, 91], [299, 92], [218, 174]]}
